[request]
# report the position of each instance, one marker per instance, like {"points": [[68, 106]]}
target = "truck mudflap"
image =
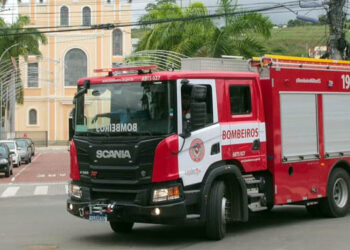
{"points": [[173, 213]]}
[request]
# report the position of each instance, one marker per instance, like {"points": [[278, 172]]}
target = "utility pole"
{"points": [[336, 18]]}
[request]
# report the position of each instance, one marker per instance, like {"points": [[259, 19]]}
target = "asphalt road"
{"points": [[42, 223]]}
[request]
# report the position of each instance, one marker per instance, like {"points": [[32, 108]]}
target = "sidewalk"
{"points": [[51, 149]]}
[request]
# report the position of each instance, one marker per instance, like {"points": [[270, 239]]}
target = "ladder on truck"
{"points": [[290, 62]]}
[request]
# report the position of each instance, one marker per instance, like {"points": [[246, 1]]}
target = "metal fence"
{"points": [[39, 138]]}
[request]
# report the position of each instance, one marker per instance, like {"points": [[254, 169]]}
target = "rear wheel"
{"points": [[8, 172], [216, 220], [336, 204], [121, 227]]}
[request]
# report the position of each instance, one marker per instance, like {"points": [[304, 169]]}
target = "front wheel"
{"points": [[121, 227], [336, 204], [216, 220], [8, 172]]}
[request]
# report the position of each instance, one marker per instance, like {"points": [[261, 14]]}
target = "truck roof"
{"points": [[168, 75]]}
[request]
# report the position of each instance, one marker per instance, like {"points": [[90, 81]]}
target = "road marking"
{"points": [[40, 176], [41, 190], [62, 175], [51, 175], [10, 191], [23, 169]]}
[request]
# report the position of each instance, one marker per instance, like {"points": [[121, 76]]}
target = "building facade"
{"points": [[49, 80]]}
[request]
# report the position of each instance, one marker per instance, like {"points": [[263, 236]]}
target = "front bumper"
{"points": [[173, 213], [4, 167]]}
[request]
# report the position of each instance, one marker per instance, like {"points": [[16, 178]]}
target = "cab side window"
{"points": [[240, 98], [198, 110]]}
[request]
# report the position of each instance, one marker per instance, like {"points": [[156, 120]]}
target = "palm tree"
{"points": [[188, 37], [238, 34], [15, 34], [25, 44]]}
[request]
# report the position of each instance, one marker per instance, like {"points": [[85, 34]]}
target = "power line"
{"points": [[145, 23]]}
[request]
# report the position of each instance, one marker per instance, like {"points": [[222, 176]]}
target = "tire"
{"points": [[30, 159], [314, 210], [8, 172], [27, 160], [215, 226], [336, 204], [121, 227]]}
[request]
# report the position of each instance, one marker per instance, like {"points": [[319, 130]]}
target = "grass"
{"points": [[296, 41]]}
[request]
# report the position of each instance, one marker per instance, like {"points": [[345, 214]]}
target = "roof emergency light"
{"points": [[139, 69]]}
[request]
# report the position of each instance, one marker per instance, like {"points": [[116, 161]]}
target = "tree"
{"points": [[12, 34], [201, 37], [15, 34], [238, 35], [186, 37]]}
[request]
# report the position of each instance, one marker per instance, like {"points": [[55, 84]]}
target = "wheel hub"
{"points": [[340, 192]]}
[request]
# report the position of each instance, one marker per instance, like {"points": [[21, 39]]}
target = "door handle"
{"points": [[256, 144]]}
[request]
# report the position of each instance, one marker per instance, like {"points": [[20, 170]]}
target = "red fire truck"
{"points": [[171, 147]]}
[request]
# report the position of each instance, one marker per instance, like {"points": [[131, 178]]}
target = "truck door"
{"points": [[243, 126], [202, 148]]}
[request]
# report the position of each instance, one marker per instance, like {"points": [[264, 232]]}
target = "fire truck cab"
{"points": [[171, 147]]}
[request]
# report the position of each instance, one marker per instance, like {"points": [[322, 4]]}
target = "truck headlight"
{"points": [[75, 191], [166, 194], [3, 161]]}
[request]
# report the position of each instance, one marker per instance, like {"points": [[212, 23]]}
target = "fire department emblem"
{"points": [[197, 150]]}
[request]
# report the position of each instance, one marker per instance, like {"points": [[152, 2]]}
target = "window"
{"points": [[75, 66], [240, 99], [32, 117], [199, 109], [86, 16], [32, 75], [116, 65], [64, 16], [117, 43]]}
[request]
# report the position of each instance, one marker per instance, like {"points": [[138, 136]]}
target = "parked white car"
{"points": [[16, 156]]}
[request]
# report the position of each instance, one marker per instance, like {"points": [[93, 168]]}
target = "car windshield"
{"points": [[138, 108], [22, 143], [3, 151], [11, 145]]}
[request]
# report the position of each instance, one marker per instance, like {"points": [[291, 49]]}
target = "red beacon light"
{"points": [[139, 69]]}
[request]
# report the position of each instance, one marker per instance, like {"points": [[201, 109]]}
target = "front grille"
{"points": [[125, 197], [116, 178]]}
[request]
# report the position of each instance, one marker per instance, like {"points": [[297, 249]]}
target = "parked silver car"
{"points": [[13, 146], [24, 150]]}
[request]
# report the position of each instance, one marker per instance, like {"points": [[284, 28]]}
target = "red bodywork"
{"points": [[309, 180]]}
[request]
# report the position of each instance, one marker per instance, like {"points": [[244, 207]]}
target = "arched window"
{"points": [[117, 43], [86, 16], [64, 16], [32, 117], [75, 66]]}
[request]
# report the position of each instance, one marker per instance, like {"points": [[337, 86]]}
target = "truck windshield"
{"points": [[138, 108]]}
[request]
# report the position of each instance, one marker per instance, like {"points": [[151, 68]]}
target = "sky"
{"points": [[276, 18], [280, 16]]}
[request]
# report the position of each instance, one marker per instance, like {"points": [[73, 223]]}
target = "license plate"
{"points": [[98, 217]]}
